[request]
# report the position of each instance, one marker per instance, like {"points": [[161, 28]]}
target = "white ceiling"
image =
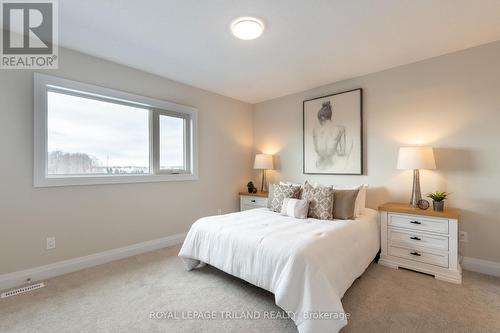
{"points": [[306, 43]]}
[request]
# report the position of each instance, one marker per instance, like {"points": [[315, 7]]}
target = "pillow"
{"points": [[278, 193], [360, 200], [290, 183], [320, 201], [295, 208], [344, 204]]}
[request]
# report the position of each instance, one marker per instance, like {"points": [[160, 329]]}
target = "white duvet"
{"points": [[307, 264]]}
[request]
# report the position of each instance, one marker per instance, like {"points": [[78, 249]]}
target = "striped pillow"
{"points": [[295, 208]]}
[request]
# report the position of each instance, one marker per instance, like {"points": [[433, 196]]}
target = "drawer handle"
{"points": [[252, 200], [415, 222], [415, 254], [415, 238]]}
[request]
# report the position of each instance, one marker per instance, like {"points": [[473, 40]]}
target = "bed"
{"points": [[307, 264]]}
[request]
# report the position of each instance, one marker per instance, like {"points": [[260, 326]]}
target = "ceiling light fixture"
{"points": [[247, 28]]}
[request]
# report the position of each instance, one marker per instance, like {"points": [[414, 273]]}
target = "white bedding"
{"points": [[307, 264]]}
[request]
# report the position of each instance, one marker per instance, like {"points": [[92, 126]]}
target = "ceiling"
{"points": [[306, 43]]}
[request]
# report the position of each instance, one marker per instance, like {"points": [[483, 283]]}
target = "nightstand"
{"points": [[253, 200], [421, 240]]}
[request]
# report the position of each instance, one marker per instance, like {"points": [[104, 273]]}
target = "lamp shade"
{"points": [[413, 158], [263, 161]]}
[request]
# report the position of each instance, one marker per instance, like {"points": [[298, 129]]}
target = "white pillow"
{"points": [[360, 200], [295, 208], [290, 183]]}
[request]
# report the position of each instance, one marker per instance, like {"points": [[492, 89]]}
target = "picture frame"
{"points": [[333, 134]]}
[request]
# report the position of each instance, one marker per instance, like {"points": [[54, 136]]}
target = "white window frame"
{"points": [[44, 83]]}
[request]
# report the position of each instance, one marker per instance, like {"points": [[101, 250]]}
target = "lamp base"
{"points": [[263, 184], [416, 194]]}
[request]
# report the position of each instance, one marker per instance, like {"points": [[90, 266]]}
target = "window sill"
{"points": [[106, 180]]}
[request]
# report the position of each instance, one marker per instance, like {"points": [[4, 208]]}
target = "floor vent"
{"points": [[22, 290]]}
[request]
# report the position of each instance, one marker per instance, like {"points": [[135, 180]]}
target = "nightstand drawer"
{"points": [[435, 258], [251, 202], [411, 239], [419, 223]]}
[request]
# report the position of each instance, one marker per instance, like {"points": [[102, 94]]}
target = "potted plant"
{"points": [[251, 187], [438, 199]]}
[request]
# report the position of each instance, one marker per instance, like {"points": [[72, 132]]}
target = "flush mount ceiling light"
{"points": [[247, 28]]}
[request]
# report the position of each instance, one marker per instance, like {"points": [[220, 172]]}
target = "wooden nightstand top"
{"points": [[258, 194], [449, 213]]}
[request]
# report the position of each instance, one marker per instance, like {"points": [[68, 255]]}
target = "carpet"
{"points": [[153, 293]]}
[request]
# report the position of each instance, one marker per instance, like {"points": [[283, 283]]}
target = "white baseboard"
{"points": [[15, 279], [481, 266]]}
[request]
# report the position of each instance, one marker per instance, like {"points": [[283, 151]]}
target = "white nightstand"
{"points": [[253, 200], [421, 240]]}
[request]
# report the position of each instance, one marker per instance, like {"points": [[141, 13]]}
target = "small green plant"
{"points": [[438, 196], [251, 187]]}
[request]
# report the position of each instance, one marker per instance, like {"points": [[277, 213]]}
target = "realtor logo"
{"points": [[29, 34]]}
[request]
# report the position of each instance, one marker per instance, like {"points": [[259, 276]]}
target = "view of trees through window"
{"points": [[91, 136]]}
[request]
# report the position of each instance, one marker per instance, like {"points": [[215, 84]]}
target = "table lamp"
{"points": [[416, 158], [263, 162]]}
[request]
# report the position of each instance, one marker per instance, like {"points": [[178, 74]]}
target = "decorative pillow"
{"points": [[278, 193], [360, 200], [320, 201], [344, 204], [290, 183], [295, 208]]}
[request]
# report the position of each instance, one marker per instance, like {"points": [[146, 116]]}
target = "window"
{"points": [[173, 145], [86, 134]]}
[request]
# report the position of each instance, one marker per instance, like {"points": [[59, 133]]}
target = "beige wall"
{"points": [[451, 102], [90, 219]]}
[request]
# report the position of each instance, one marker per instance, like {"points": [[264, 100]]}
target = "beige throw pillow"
{"points": [[344, 204], [361, 199]]}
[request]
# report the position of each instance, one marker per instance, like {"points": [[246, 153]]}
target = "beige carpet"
{"points": [[119, 297]]}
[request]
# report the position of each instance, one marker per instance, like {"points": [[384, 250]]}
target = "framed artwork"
{"points": [[333, 134]]}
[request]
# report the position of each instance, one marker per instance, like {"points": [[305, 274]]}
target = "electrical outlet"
{"points": [[462, 236], [51, 243]]}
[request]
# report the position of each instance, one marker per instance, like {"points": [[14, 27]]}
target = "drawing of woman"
{"points": [[329, 138]]}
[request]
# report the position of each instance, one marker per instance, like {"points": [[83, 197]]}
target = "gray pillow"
{"points": [[295, 208], [320, 200], [344, 204], [278, 193]]}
